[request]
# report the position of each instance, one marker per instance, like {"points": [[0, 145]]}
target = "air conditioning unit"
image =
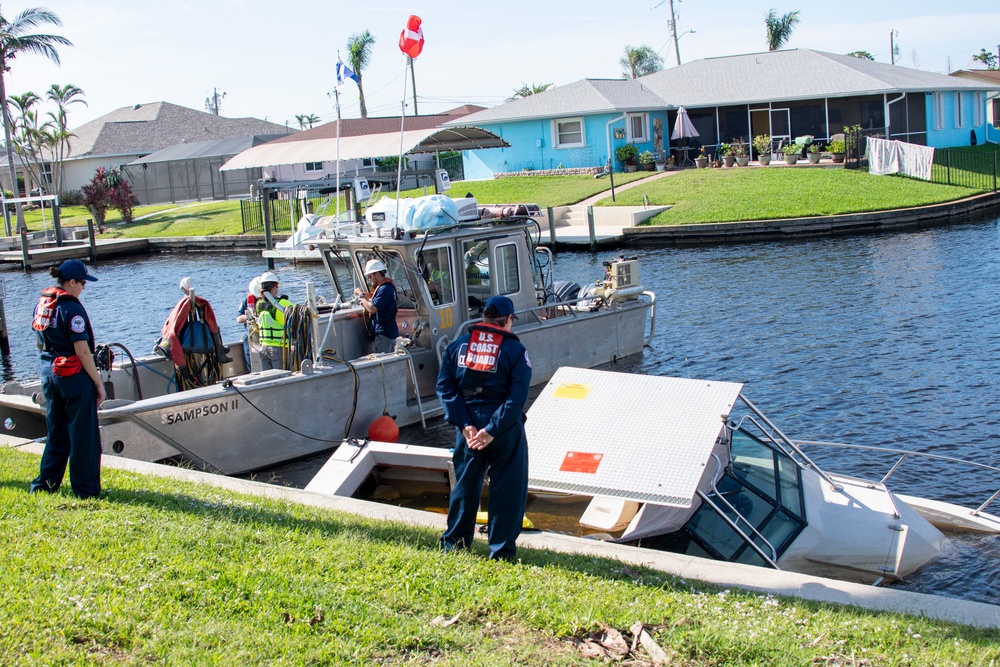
{"points": [[468, 209]]}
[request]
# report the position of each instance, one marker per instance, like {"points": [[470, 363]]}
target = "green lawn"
{"points": [[542, 190], [725, 195], [169, 573], [76, 216]]}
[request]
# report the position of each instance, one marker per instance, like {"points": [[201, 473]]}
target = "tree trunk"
{"points": [[10, 146]]}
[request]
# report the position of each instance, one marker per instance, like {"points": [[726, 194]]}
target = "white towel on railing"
{"points": [[897, 157]]}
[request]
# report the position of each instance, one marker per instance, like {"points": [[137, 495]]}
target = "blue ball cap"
{"points": [[503, 305], [74, 269]]}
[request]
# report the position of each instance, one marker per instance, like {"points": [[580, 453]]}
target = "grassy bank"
{"points": [[177, 574], [728, 195]]}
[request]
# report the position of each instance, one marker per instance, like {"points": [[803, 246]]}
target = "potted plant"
{"points": [[813, 154], [791, 153], [739, 150], [762, 144], [669, 166], [726, 153], [702, 160], [836, 149], [646, 160], [627, 154]]}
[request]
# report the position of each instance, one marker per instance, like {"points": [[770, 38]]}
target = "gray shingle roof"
{"points": [[794, 74], [147, 128], [588, 96]]}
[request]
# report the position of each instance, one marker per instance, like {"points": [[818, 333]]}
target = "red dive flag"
{"points": [[411, 40]]}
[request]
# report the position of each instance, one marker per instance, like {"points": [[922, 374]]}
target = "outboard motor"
{"points": [[565, 290]]}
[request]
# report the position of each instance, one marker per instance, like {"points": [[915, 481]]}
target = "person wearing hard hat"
{"points": [[246, 315], [483, 386], [271, 323], [183, 333], [380, 304]]}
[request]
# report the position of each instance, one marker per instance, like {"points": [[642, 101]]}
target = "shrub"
{"points": [[97, 196], [71, 198], [738, 148], [627, 153], [645, 157], [762, 143], [836, 146]]}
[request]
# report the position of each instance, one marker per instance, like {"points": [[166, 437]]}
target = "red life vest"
{"points": [[483, 350], [45, 311]]}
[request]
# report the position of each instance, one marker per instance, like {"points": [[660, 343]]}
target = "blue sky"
{"points": [[276, 60]]}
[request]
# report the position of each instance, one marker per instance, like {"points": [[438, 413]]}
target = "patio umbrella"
{"points": [[683, 128]]}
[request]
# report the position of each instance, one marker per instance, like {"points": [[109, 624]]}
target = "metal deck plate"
{"points": [[638, 437]]}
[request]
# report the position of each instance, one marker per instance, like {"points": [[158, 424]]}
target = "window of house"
{"points": [[959, 121], [506, 270], [568, 133], [638, 127], [938, 111], [314, 166], [977, 108]]}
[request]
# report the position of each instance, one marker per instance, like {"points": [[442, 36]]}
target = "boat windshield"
{"points": [[396, 270], [760, 494]]}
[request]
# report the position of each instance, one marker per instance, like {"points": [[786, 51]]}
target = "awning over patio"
{"points": [[366, 146]]}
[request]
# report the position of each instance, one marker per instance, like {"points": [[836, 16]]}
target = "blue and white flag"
{"points": [[343, 73]]}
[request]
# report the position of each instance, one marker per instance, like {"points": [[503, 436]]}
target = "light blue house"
{"points": [[785, 94]]}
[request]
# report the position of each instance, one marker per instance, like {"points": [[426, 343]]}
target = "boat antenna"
{"points": [[336, 97]]}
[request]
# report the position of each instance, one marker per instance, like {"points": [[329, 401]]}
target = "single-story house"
{"points": [[990, 76], [785, 94], [129, 133], [276, 161]]}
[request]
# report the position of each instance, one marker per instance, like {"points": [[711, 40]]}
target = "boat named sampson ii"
{"points": [[443, 274]]}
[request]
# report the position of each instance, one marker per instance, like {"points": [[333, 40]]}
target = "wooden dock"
{"points": [[48, 253]]}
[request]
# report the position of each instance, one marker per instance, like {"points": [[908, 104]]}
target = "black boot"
{"points": [[221, 351]]}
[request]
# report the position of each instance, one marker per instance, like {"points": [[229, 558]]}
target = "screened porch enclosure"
{"points": [[820, 118], [188, 180]]}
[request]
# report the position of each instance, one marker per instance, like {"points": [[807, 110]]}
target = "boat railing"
{"points": [[780, 438], [652, 318], [770, 560], [905, 454]]}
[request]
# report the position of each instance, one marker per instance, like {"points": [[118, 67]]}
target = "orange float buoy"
{"points": [[383, 429]]}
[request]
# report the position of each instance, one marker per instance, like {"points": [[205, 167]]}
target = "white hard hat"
{"points": [[254, 287], [374, 266], [269, 277], [186, 284]]}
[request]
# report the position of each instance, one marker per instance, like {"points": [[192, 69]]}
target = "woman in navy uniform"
{"points": [[483, 385], [70, 383]]}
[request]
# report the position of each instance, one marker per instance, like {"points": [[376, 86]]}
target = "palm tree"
{"points": [[29, 137], [779, 29], [16, 38], [63, 96], [306, 120], [639, 61], [528, 90], [359, 56]]}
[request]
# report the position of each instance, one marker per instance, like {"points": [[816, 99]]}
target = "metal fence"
{"points": [[975, 169], [188, 180], [253, 215]]}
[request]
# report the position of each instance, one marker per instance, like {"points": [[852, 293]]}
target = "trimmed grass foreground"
{"points": [[172, 573]]}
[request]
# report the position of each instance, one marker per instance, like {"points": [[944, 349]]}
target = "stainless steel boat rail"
{"points": [[786, 440], [652, 318], [416, 387], [732, 524], [903, 455]]}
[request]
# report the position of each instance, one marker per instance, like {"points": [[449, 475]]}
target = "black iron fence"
{"points": [[253, 215], [976, 169]]}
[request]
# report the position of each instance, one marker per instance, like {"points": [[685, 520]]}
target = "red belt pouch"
{"points": [[64, 366]]}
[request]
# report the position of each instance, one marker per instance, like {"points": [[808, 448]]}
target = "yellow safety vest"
{"points": [[271, 321]]}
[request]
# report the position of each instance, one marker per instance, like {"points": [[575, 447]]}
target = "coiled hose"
{"points": [[297, 338]]}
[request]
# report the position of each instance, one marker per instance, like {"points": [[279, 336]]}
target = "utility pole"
{"points": [[893, 47], [212, 103], [673, 31]]}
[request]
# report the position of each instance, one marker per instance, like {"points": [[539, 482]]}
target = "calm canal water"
{"points": [[888, 340]]}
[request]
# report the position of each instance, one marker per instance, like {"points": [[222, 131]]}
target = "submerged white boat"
{"points": [[443, 275], [699, 470]]}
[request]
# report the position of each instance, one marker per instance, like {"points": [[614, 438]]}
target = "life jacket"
{"points": [[45, 314], [480, 357], [271, 322]]}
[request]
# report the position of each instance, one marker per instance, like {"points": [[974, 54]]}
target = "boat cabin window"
{"points": [[395, 270], [761, 491], [476, 256], [437, 273], [507, 274]]}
